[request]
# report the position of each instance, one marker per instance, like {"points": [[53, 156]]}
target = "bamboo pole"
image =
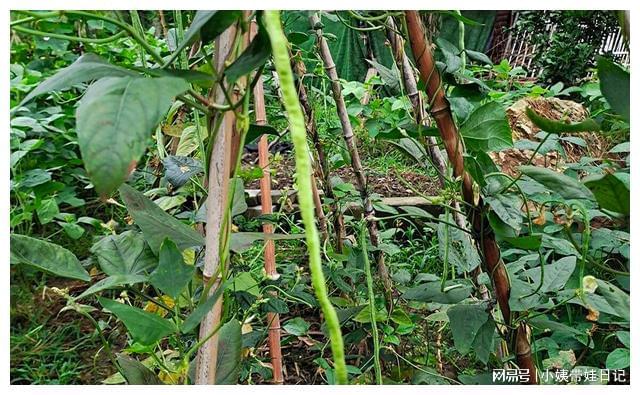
{"points": [[217, 227], [350, 140], [273, 319], [321, 165], [437, 159], [482, 231]]}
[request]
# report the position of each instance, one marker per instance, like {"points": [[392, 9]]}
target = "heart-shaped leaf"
{"points": [[114, 121]]}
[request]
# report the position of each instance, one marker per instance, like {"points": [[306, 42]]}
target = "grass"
{"points": [[48, 347]]}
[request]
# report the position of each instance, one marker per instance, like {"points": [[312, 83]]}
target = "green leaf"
{"points": [[460, 250], [239, 204], [189, 139], [531, 242], [620, 358], [451, 55], [391, 77], [46, 256], [208, 25], [179, 169], [617, 298], [145, 328], [558, 127], [229, 353], [507, 208], [466, 321], [198, 314], [565, 186], [611, 191], [111, 282], [255, 131], [114, 121], [253, 57], [454, 292], [244, 282], [172, 275], [297, 326], [124, 254], [556, 274], [157, 225], [87, 67], [487, 129], [624, 337], [136, 373], [615, 84], [479, 56], [47, 210]]}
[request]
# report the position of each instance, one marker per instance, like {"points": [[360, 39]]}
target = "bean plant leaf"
{"points": [[45, 256], [157, 225], [124, 254], [229, 353], [556, 274], [172, 275], [255, 131], [615, 85], [487, 129], [114, 121], [145, 328], [179, 169], [558, 127], [507, 208], [391, 77], [207, 25], [611, 190], [111, 282], [451, 55], [86, 68], [136, 373], [565, 186], [253, 57], [620, 358], [203, 308], [454, 292], [297, 326], [459, 250], [467, 322], [617, 298]]}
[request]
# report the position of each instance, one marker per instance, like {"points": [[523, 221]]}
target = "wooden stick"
{"points": [[273, 319], [226, 141], [350, 140], [483, 233]]}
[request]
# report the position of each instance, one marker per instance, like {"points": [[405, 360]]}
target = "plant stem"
{"points": [[372, 305], [279, 45]]}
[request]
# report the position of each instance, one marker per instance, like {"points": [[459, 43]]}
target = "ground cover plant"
{"points": [[308, 197]]}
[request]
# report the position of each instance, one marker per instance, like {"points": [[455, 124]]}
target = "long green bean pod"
{"points": [[279, 47]]}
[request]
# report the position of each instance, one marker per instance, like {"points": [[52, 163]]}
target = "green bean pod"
{"points": [[279, 47]]}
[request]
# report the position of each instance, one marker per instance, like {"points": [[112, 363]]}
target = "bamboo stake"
{"points": [[411, 86], [273, 319], [220, 169], [321, 167], [350, 141], [483, 233]]}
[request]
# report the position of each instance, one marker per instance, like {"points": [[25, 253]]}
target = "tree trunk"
{"points": [[350, 141], [483, 233]]}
